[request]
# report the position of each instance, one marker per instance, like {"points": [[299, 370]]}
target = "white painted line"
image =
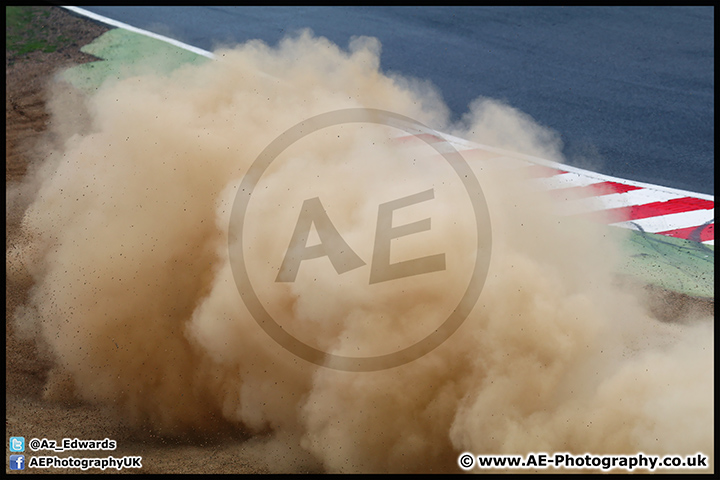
{"points": [[459, 143], [125, 26], [466, 144]]}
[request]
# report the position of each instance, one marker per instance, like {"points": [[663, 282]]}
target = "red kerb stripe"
{"points": [[655, 209], [701, 233]]}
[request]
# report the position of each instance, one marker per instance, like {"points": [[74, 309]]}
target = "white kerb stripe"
{"points": [[671, 221], [566, 180]]}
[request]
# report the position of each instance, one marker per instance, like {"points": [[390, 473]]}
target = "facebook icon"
{"points": [[17, 462]]}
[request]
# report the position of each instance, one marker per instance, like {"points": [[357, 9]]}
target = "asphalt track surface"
{"points": [[629, 90], [678, 216], [203, 466]]}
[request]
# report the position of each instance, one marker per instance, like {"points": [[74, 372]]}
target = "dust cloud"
{"points": [[125, 239]]}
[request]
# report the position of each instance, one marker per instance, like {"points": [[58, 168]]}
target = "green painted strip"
{"points": [[677, 265], [125, 54]]}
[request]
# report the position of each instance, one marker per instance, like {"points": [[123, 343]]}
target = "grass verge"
{"points": [[29, 29]]}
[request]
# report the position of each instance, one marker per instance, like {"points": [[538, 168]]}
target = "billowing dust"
{"points": [[125, 238]]}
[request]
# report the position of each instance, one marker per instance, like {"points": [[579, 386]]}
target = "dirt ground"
{"points": [[28, 412]]}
